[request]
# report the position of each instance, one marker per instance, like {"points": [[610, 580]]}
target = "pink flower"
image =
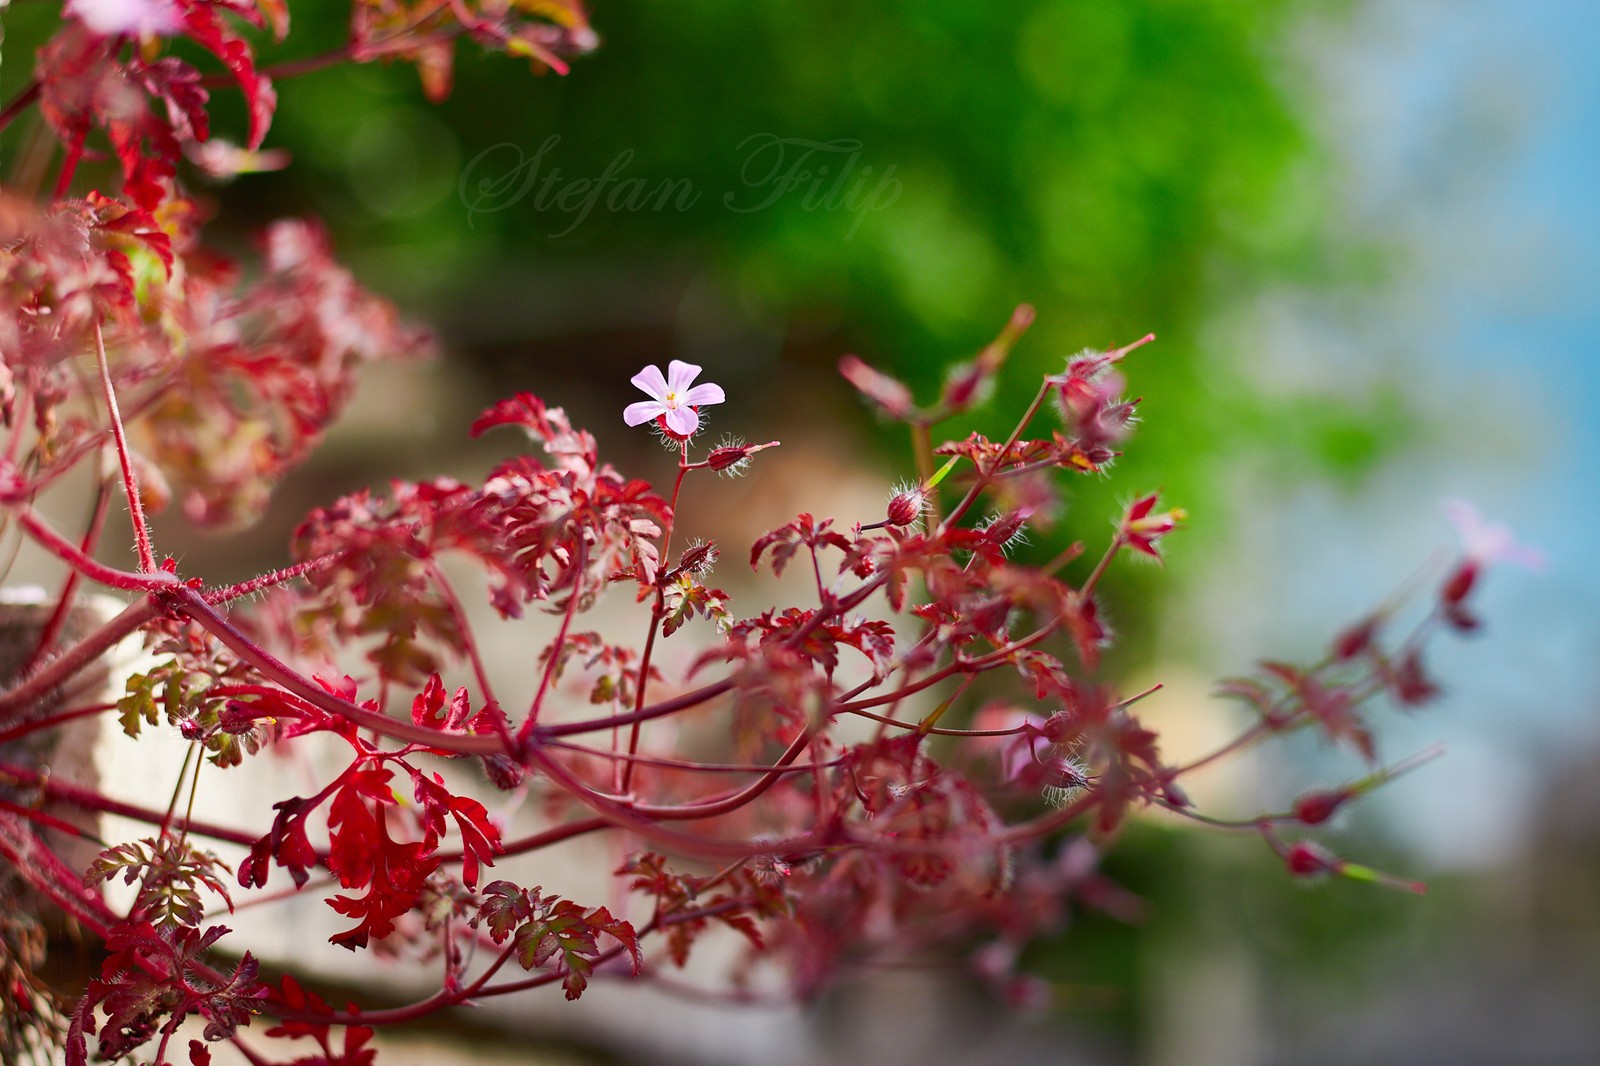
{"points": [[1486, 542], [112, 18], [676, 398], [1482, 543]]}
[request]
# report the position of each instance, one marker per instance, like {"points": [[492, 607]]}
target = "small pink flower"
{"points": [[1482, 543], [138, 18], [1486, 542], [676, 398]]}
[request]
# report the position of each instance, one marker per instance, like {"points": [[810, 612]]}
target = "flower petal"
{"points": [[650, 380], [681, 375], [643, 411], [1489, 542], [703, 395], [683, 421]]}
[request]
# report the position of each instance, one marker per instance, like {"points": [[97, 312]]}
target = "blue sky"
{"points": [[1466, 137]]}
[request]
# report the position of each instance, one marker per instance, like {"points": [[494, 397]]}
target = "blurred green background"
{"points": [[1127, 168]]}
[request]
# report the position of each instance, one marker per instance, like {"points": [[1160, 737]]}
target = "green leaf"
{"points": [[138, 705]]}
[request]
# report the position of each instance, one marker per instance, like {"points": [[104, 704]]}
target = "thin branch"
{"points": [[130, 481], [19, 103]]}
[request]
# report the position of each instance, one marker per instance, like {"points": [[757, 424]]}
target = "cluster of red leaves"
{"points": [[838, 850], [263, 372], [544, 533], [424, 32], [152, 105], [548, 930], [362, 852], [307, 1015], [225, 386], [230, 384], [686, 905], [153, 979]]}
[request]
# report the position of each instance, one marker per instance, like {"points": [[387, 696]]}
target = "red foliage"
{"points": [[122, 334]]}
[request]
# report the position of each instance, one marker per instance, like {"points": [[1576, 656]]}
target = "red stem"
{"points": [[452, 603], [277, 577], [680, 764], [655, 710], [76, 658], [581, 560], [130, 481], [192, 604], [35, 725], [59, 546], [54, 788], [626, 816], [20, 102], [625, 770], [69, 588], [46, 873]]}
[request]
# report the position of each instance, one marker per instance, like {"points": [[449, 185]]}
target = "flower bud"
{"points": [[724, 458], [769, 869], [1306, 859], [1005, 529], [1099, 456], [502, 771], [733, 456], [906, 506], [968, 385], [1459, 583], [1314, 808], [698, 558], [1355, 640]]}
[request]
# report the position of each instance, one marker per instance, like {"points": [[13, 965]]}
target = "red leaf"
{"points": [[208, 30]]}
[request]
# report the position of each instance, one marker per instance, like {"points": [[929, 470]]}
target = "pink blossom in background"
{"points": [[1487, 542], [111, 18]]}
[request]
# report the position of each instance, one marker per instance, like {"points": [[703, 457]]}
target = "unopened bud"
{"points": [[723, 458], [1306, 859], [1460, 583], [769, 869], [733, 456], [906, 507], [1005, 529], [502, 771], [967, 386], [698, 558], [1314, 808], [1355, 640], [1118, 416], [1098, 456]]}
